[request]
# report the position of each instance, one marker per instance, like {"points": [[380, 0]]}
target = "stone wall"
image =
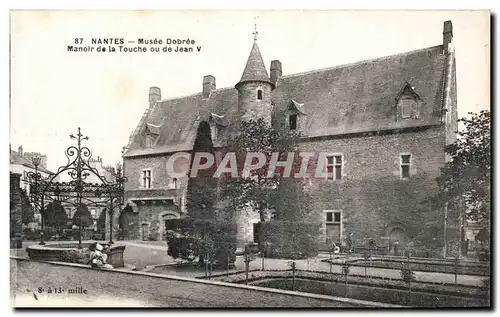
{"points": [[371, 195], [16, 211]]}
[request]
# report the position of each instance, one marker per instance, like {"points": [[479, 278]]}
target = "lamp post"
{"points": [[120, 181]]}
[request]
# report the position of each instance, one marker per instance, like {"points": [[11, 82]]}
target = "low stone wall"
{"points": [[70, 253], [370, 281], [441, 266], [89, 287]]}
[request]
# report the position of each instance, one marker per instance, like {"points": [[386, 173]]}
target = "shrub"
{"points": [[198, 238], [289, 239]]}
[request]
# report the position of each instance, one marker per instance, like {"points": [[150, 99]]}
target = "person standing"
{"points": [[396, 247]]}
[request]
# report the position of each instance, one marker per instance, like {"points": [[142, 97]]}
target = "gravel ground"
{"points": [[107, 288]]}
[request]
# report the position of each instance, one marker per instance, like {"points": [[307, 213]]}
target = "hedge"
{"points": [[289, 239]]}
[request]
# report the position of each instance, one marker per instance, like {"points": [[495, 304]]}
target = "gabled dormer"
{"points": [[407, 103], [295, 116], [217, 124], [151, 135]]}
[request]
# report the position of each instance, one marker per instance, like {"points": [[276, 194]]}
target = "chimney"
{"points": [[43, 161], [208, 85], [447, 35], [276, 71], [154, 96], [20, 150]]}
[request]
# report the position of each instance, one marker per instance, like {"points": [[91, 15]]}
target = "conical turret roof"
{"points": [[255, 70]]}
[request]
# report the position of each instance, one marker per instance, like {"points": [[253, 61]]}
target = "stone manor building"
{"points": [[384, 123]]}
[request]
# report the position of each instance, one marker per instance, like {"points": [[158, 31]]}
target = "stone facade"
{"points": [[371, 196]]}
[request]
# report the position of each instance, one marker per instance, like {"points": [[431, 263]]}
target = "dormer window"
{"points": [[407, 102], [292, 122], [217, 123], [259, 94], [152, 134], [295, 116]]}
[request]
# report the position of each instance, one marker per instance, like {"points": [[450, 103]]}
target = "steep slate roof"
{"points": [[18, 159], [255, 70], [349, 98], [362, 96]]}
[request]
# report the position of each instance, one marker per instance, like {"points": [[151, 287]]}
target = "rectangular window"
{"points": [[334, 166], [93, 212], [292, 121], [333, 216], [259, 94], [405, 165], [146, 178]]}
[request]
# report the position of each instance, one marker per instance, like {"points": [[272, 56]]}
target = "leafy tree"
{"points": [[127, 223], [28, 214], [292, 232], [465, 180], [256, 192], [82, 216], [60, 219], [52, 214], [208, 232]]}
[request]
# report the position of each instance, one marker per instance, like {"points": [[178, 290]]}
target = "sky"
{"points": [[53, 91]]}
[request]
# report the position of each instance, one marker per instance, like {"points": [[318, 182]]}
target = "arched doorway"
{"points": [[397, 240], [144, 231], [166, 222]]}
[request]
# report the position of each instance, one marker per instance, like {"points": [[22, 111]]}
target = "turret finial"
{"points": [[255, 32]]}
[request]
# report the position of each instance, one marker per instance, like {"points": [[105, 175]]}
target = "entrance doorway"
{"points": [[333, 234], [144, 231], [167, 222], [397, 240]]}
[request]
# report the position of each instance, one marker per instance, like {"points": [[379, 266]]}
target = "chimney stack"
{"points": [[43, 161], [447, 36], [208, 85], [154, 96], [20, 150], [276, 71]]}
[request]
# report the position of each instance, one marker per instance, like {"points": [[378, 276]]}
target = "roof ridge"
{"points": [[376, 59], [196, 94], [310, 71]]}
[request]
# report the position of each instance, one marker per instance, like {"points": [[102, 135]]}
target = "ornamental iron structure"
{"points": [[77, 192]]}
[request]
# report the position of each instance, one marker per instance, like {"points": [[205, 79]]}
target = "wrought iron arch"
{"points": [[77, 192]]}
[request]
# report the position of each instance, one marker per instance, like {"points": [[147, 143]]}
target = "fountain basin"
{"points": [[69, 252]]}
